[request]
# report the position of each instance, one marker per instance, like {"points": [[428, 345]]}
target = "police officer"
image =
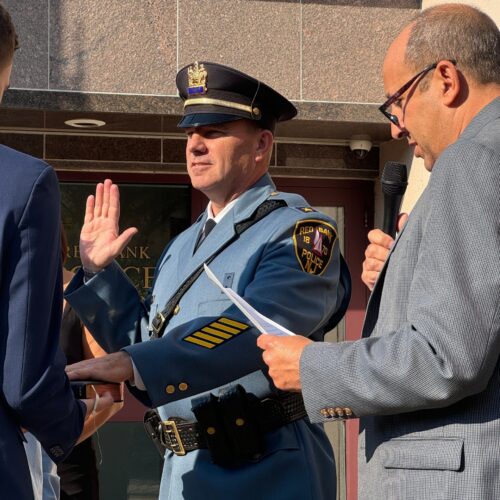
{"points": [[187, 350]]}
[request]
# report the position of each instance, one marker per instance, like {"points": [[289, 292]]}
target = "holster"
{"points": [[231, 426]]}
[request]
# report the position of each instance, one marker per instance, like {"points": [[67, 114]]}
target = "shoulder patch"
{"points": [[216, 333], [313, 241]]}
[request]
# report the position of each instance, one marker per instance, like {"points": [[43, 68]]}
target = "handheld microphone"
{"points": [[394, 181]]}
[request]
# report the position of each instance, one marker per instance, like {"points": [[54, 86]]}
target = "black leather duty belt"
{"points": [[180, 436]]}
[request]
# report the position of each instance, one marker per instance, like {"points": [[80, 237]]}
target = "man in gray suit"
{"points": [[425, 377]]}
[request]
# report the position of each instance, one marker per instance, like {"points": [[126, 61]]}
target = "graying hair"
{"points": [[457, 32]]}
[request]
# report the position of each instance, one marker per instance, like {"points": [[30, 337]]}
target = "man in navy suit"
{"points": [[34, 391]]}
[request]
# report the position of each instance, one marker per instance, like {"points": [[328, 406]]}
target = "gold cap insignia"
{"points": [[197, 79]]}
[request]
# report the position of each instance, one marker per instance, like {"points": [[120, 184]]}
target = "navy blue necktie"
{"points": [[209, 225]]}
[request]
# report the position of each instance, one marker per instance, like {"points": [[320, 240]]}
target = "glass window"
{"points": [[160, 212]]}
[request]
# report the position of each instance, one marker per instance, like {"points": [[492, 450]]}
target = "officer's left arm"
{"points": [[294, 283]]}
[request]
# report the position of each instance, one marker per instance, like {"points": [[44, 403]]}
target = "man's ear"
{"points": [[264, 145], [450, 82]]}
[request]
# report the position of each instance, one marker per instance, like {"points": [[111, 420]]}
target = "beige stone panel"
{"points": [[121, 46], [343, 50], [256, 37], [31, 59]]}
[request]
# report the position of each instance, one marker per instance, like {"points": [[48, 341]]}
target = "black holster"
{"points": [[231, 426]]}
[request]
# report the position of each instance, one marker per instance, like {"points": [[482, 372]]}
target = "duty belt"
{"points": [[180, 436]]}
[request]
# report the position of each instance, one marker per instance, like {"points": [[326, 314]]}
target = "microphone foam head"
{"points": [[394, 178]]}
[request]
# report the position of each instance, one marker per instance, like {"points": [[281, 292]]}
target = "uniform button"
{"points": [[170, 389], [183, 386], [176, 310], [240, 422], [211, 430]]}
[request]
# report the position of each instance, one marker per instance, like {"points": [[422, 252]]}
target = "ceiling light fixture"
{"points": [[85, 123]]}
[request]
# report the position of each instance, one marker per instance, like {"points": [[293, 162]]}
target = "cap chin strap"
{"points": [[254, 112]]}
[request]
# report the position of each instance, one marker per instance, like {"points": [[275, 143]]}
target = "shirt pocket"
{"points": [[213, 307], [423, 454]]}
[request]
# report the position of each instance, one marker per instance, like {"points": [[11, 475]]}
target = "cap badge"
{"points": [[197, 79]]}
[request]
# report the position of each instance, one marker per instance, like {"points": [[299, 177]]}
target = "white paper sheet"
{"points": [[261, 322]]}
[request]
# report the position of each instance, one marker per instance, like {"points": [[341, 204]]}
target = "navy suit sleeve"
{"points": [[34, 384]]}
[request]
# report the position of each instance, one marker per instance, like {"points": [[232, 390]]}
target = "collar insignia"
{"points": [[197, 79]]}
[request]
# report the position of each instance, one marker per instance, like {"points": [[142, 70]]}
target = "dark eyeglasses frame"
{"points": [[394, 97]]}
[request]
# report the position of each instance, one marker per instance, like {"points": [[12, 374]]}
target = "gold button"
{"points": [[170, 389], [339, 412], [183, 386], [348, 412], [324, 412], [177, 308], [211, 430], [239, 422]]}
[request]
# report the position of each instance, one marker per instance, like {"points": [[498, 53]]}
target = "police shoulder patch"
{"points": [[216, 333], [313, 241]]}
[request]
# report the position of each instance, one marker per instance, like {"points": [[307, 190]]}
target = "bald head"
{"points": [[394, 61], [450, 57], [455, 32]]}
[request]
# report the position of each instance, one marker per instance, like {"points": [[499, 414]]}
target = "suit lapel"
{"points": [[373, 307]]}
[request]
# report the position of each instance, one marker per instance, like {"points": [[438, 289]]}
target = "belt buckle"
{"points": [[171, 438], [157, 324]]}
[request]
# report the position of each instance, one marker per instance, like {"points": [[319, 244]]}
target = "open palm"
{"points": [[100, 241]]}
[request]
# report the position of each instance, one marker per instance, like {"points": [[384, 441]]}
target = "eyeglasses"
{"points": [[394, 97]]}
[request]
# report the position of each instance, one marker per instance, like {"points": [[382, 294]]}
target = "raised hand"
{"points": [[100, 241], [376, 253]]}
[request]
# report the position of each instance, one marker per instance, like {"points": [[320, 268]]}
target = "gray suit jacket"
{"points": [[425, 379]]}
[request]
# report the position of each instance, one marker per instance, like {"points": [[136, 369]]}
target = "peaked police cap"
{"points": [[214, 93]]}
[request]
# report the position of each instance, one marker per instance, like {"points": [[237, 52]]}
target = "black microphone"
{"points": [[394, 181]]}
